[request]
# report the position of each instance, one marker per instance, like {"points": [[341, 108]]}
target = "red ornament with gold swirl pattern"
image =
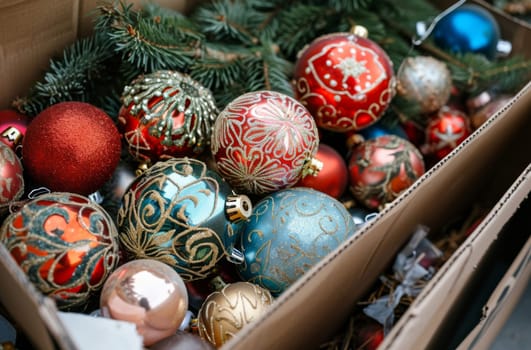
{"points": [[382, 168], [65, 243], [264, 141], [346, 81]]}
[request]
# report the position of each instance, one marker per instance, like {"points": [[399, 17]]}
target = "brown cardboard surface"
{"points": [[437, 298], [30, 33], [502, 302]]}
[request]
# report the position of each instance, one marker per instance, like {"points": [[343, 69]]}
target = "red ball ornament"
{"points": [[346, 81], [71, 147], [11, 175], [13, 127], [445, 131], [264, 141], [382, 168], [65, 243], [332, 179], [166, 114]]}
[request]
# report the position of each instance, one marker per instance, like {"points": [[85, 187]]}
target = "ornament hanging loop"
{"points": [[424, 31]]}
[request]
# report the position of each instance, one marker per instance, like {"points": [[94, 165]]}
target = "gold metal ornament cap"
{"points": [[312, 167], [360, 31], [238, 207], [225, 312]]}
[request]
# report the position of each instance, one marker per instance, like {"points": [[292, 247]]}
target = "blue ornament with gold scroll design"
{"points": [[288, 232], [183, 214], [468, 29]]}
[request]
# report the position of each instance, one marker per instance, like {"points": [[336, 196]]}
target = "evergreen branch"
{"points": [[71, 77]]}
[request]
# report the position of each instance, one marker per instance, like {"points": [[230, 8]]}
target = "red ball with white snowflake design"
{"points": [[264, 141], [445, 131], [346, 81]]}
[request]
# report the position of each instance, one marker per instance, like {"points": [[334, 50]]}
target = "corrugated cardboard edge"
{"points": [[35, 314], [502, 302], [412, 331], [306, 301]]}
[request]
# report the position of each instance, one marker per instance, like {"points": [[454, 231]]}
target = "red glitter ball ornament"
{"points": [[66, 244], [346, 81], [264, 141], [13, 127], [11, 175], [332, 179], [71, 147], [445, 131], [382, 168]]}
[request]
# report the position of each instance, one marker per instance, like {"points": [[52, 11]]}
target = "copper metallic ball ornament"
{"points": [[149, 294], [11, 175], [166, 114], [424, 82], [65, 243], [228, 310], [382, 168], [71, 147], [345, 80]]}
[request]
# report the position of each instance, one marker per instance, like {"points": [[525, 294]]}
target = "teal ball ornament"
{"points": [[184, 214], [288, 232], [468, 29]]}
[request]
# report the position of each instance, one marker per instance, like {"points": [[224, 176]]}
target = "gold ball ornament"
{"points": [[228, 310], [149, 294]]}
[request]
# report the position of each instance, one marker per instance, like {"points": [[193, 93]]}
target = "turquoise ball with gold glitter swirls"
{"points": [[290, 231], [183, 214]]}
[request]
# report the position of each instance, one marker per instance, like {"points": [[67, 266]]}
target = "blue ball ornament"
{"points": [[468, 29], [184, 214], [290, 231], [380, 129]]}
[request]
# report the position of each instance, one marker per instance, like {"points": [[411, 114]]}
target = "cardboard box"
{"points": [[315, 307]]}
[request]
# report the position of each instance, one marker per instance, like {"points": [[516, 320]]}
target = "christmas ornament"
{"points": [[11, 175], [183, 214], [182, 341], [147, 293], [66, 244], [332, 178], [380, 129], [289, 232], [424, 82], [346, 81], [166, 114], [71, 147], [198, 290], [13, 127], [488, 110], [416, 133], [382, 168], [227, 311], [264, 141], [446, 130], [468, 29]]}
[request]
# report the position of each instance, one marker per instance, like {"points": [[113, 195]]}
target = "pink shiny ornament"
{"points": [[149, 294], [346, 81], [332, 179], [11, 175], [13, 127], [382, 168], [445, 131], [264, 141]]}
